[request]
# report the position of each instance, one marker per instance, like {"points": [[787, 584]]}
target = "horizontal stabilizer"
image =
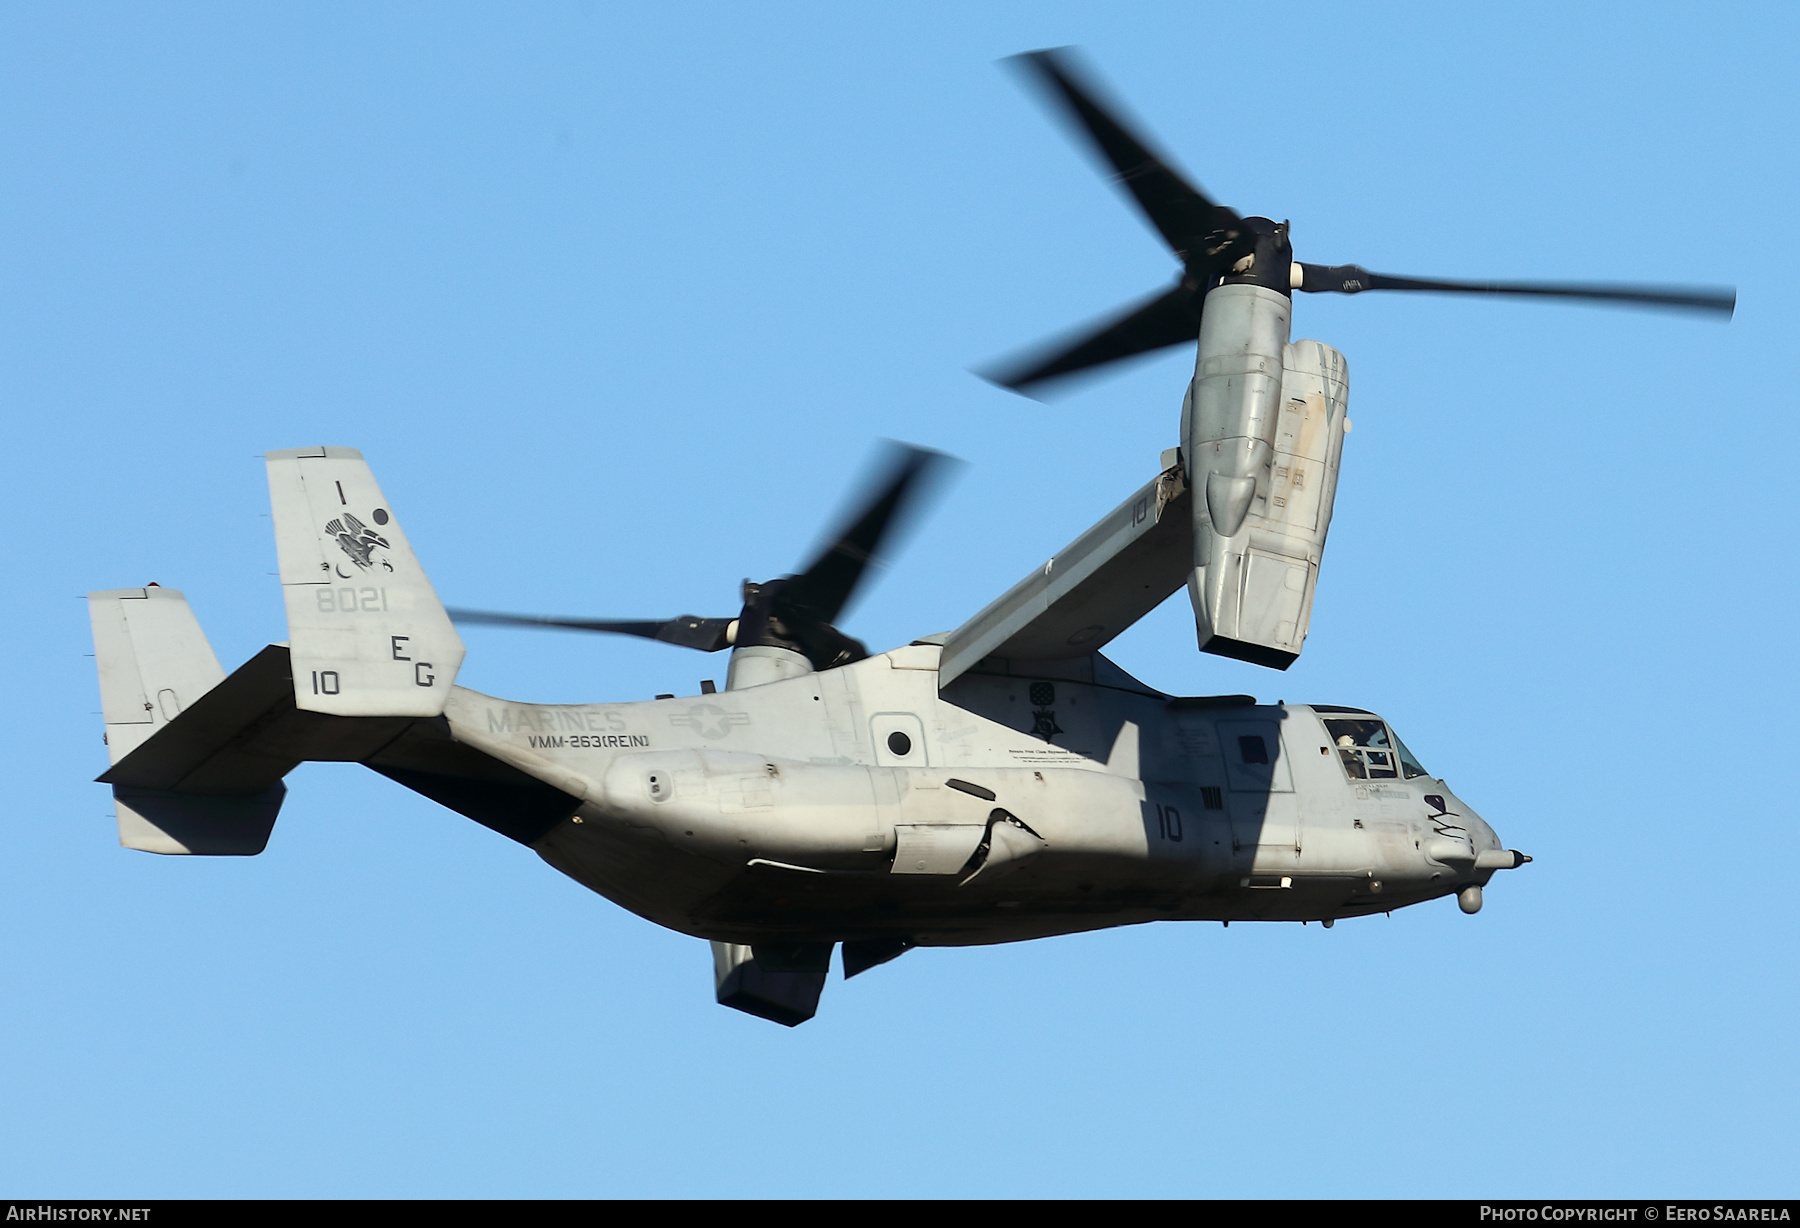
{"points": [[186, 755], [246, 734], [209, 781], [367, 633], [198, 767]]}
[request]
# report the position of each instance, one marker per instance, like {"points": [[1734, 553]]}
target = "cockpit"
{"points": [[1369, 750]]}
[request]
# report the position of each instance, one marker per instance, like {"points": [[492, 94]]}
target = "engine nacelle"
{"points": [[1262, 430]]}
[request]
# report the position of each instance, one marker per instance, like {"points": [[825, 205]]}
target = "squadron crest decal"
{"points": [[1043, 716], [360, 542]]}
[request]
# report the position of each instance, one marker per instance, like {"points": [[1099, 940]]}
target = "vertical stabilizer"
{"points": [[155, 664], [367, 634], [154, 661]]}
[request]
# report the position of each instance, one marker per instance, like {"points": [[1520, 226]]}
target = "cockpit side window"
{"points": [[1365, 748], [1410, 767]]}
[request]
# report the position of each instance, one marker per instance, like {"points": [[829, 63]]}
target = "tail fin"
{"points": [[367, 634], [154, 664], [153, 659]]}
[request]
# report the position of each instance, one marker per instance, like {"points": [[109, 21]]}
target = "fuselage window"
{"points": [[1252, 749], [1410, 766], [1365, 748]]}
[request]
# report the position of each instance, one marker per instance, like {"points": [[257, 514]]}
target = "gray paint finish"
{"points": [[888, 803]]}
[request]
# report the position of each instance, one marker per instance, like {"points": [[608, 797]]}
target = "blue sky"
{"points": [[617, 302]]}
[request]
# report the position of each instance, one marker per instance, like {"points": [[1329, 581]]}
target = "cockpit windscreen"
{"points": [[1369, 750]]}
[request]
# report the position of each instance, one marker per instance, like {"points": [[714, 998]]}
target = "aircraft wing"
{"points": [[1129, 563]]}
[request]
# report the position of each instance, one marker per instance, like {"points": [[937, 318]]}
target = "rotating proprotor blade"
{"points": [[1204, 235], [796, 611], [1210, 239], [820, 592], [1353, 279], [1198, 230], [1165, 319], [685, 630]]}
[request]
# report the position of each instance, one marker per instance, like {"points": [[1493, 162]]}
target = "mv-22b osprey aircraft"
{"points": [[1000, 782]]}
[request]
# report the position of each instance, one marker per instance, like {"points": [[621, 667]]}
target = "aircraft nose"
{"points": [[1465, 840], [1490, 853]]}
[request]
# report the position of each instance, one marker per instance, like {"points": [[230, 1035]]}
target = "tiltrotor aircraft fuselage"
{"points": [[999, 782], [936, 794]]}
